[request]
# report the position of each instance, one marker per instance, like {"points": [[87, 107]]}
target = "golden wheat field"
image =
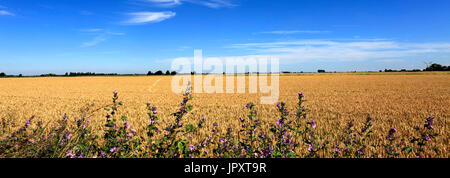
{"points": [[400, 100]]}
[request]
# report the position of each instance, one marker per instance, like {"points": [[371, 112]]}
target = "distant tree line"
{"points": [[159, 72], [431, 67], [2, 74], [88, 74], [402, 70], [48, 75]]}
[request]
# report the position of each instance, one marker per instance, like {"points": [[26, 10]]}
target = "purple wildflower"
{"points": [[248, 106], [338, 151], [350, 124], [191, 147], [310, 148], [360, 151], [70, 154], [391, 133], [313, 124], [429, 123]]}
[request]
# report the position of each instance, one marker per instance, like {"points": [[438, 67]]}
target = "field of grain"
{"points": [[397, 100]]}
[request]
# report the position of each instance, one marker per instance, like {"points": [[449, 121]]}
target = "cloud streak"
{"points": [[343, 50], [289, 32], [164, 3], [94, 42], [208, 3], [101, 36], [91, 30], [7, 13], [138, 18]]}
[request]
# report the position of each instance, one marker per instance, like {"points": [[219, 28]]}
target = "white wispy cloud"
{"points": [[148, 17], [95, 41], [90, 30], [114, 33], [207, 3], [4, 12], [343, 50], [164, 3], [289, 32], [101, 35], [100, 31], [213, 3]]}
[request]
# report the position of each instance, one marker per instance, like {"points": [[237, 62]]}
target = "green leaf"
{"points": [[409, 149], [190, 128], [180, 146]]}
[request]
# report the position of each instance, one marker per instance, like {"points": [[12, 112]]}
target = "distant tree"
{"points": [[66, 74], [193, 73], [158, 72], [2, 74], [149, 73], [437, 67], [427, 64], [403, 70], [20, 75], [173, 73], [321, 71]]}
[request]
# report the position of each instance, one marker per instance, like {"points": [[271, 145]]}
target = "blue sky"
{"points": [[134, 36]]}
